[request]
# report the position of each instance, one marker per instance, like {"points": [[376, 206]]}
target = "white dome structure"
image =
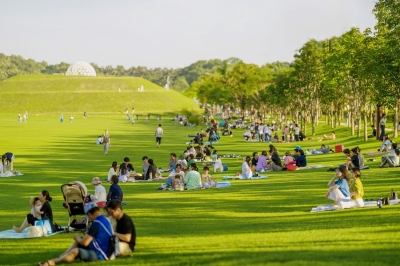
{"points": [[80, 69]]}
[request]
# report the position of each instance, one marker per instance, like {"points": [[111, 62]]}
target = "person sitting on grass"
{"points": [[191, 159], [254, 161], [355, 160], [339, 189], [347, 154], [391, 158], [262, 162], [113, 170], [45, 212], [206, 179], [276, 163], [193, 178], [386, 144], [174, 173], [356, 192], [177, 183], [246, 169], [172, 161], [94, 246], [151, 171], [288, 158], [125, 231], [360, 157], [331, 137], [100, 194], [301, 160], [115, 192]]}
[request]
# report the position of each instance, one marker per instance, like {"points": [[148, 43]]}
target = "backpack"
{"points": [[113, 250]]}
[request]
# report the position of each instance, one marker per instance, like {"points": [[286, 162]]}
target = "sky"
{"points": [[173, 33]]}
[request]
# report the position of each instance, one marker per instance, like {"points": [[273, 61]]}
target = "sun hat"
{"points": [[90, 206], [96, 181]]}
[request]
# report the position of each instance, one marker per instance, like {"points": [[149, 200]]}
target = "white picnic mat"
{"points": [[241, 178], [311, 167], [329, 207], [24, 234], [9, 174]]}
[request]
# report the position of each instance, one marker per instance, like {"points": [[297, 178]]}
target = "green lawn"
{"points": [[251, 223], [51, 94]]}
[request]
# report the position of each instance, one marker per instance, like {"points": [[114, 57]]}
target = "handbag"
{"points": [[47, 229], [34, 231]]}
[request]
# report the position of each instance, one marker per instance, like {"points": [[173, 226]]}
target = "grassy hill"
{"points": [[40, 94]]}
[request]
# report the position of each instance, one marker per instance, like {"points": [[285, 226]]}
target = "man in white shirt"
{"points": [[382, 124], [296, 132], [159, 134]]}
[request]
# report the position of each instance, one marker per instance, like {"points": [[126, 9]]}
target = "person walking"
{"points": [[382, 124], [106, 142], [159, 134]]}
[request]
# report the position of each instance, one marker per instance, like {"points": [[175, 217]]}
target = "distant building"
{"points": [[80, 69]]}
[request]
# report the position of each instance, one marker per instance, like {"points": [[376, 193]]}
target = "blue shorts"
{"points": [[87, 254]]}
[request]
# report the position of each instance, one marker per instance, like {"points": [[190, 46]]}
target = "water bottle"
{"points": [[379, 203]]}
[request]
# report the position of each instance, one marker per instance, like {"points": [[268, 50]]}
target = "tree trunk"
{"points": [[351, 122], [313, 117], [365, 127], [304, 125], [396, 118], [358, 127], [378, 116], [333, 122]]}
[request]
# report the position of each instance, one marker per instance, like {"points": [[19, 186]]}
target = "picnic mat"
{"points": [[329, 207], [223, 184], [311, 167], [241, 178], [7, 234], [374, 152], [9, 173], [150, 180]]}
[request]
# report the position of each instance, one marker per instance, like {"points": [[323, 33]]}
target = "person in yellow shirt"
{"points": [[356, 191]]}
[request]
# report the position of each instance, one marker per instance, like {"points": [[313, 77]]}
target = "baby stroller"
{"points": [[75, 196]]}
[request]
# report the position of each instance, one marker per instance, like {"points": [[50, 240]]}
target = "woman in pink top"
{"points": [[286, 134]]}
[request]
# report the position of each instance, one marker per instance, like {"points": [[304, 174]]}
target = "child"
{"points": [[206, 179], [35, 211], [288, 158], [177, 183]]}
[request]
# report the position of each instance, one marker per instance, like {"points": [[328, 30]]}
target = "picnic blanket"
{"points": [[241, 178], [150, 180], [7, 234], [374, 152], [329, 207], [204, 143], [311, 167], [231, 156], [223, 184], [9, 173]]}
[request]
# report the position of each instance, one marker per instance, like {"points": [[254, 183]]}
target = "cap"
{"points": [[96, 181], [90, 206]]}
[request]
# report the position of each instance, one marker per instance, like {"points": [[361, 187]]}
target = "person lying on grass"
{"points": [[356, 191], [339, 189], [331, 137], [93, 246]]}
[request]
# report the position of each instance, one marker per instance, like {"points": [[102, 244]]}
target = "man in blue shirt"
{"points": [[94, 246]]}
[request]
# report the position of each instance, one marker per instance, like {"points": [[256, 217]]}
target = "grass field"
{"points": [[265, 222], [47, 94]]}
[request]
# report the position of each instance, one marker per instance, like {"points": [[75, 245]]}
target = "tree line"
{"points": [[180, 78], [354, 75]]}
